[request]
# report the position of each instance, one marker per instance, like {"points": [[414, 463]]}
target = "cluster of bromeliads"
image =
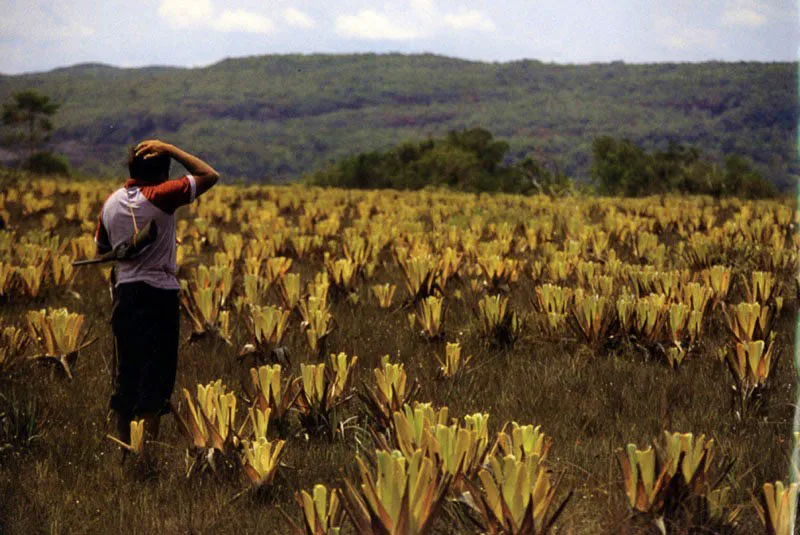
{"points": [[601, 276]]}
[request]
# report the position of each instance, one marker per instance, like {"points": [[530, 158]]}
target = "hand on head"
{"points": [[151, 148]]}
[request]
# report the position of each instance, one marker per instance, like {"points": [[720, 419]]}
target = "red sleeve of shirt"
{"points": [[170, 195]]}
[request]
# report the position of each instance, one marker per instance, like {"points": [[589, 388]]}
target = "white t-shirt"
{"points": [[146, 201]]}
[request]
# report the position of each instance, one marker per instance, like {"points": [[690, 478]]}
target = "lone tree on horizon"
{"points": [[31, 112]]}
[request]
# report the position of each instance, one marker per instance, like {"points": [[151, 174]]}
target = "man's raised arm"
{"points": [[205, 176]]}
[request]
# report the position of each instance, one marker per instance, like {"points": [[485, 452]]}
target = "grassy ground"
{"points": [[60, 474]]}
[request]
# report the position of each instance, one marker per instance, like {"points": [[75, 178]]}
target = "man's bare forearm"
{"points": [[205, 175], [193, 164]]}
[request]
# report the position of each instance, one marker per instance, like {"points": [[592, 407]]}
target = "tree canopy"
{"points": [[473, 160], [28, 118], [30, 111], [620, 167]]}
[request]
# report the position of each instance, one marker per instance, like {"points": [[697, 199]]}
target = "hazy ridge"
{"points": [[277, 117]]}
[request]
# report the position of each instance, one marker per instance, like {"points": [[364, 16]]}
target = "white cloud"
{"points": [[470, 20], [239, 20], [421, 19], [744, 14], [679, 36], [298, 19], [371, 25], [183, 14], [186, 13], [686, 38]]}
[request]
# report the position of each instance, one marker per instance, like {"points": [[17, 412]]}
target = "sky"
{"points": [[39, 35]]}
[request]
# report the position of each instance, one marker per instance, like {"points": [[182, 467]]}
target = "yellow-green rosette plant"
{"points": [[515, 497], [322, 511], [391, 392], [60, 335], [261, 460], [778, 509], [401, 496]]}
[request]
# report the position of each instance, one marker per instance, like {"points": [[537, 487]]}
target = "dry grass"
{"points": [[68, 478]]}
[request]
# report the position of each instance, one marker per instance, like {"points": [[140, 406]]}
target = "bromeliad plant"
{"points": [[401, 498], [749, 321], [62, 270], [591, 317], [673, 484], [762, 287], [515, 497], [391, 392], [204, 299], [317, 321], [209, 424], [274, 393], [232, 244], [290, 291], [266, 325], [322, 391], [343, 273], [750, 364], [60, 335], [136, 445], [498, 324], [420, 274], [683, 326], [778, 508], [32, 276], [718, 278], [453, 363], [277, 268], [430, 317], [409, 426], [523, 442], [261, 459], [13, 342], [383, 294], [752, 354], [7, 278], [254, 288], [449, 265], [322, 511], [459, 451], [500, 272], [641, 321], [554, 302]]}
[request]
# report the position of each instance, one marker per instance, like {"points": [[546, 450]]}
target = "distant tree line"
{"points": [[467, 160], [620, 167], [472, 160]]}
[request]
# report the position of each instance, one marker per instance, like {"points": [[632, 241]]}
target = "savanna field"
{"points": [[440, 362]]}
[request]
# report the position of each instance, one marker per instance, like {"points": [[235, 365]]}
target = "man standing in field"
{"points": [[146, 317]]}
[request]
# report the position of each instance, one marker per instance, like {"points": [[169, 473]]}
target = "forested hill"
{"points": [[278, 117]]}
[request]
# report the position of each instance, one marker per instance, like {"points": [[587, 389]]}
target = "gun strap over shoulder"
{"points": [[135, 227]]}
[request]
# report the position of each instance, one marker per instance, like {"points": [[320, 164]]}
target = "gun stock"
{"points": [[126, 250]]}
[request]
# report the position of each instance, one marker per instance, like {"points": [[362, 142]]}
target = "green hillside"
{"points": [[278, 117]]}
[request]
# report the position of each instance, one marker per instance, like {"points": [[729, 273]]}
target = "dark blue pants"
{"points": [[146, 326]]}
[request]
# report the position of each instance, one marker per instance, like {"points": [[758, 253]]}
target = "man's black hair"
{"points": [[153, 169]]}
